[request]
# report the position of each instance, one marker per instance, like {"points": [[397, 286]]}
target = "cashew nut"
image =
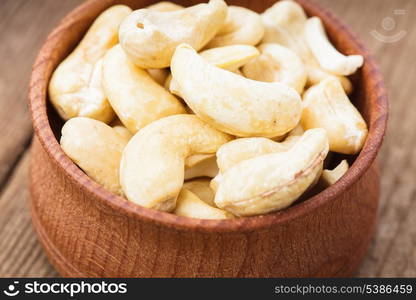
{"points": [[189, 205], [230, 57], [75, 88], [200, 187], [206, 168], [329, 177], [273, 181], [155, 157], [284, 24], [165, 6], [326, 105], [136, 98], [242, 26], [98, 152], [328, 57], [233, 103], [150, 37], [277, 64]]}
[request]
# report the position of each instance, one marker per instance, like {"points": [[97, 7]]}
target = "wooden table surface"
{"points": [[24, 25]]}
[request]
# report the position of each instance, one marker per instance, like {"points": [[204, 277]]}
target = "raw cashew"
{"points": [[136, 98], [230, 57], [152, 165], [200, 187], [150, 37], [242, 26], [233, 103], [96, 148], [326, 105], [205, 168], [277, 64], [189, 205], [328, 57], [273, 181], [165, 6], [329, 177], [75, 87], [284, 24]]}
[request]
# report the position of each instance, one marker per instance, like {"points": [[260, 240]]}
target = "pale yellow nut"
{"points": [[242, 26], [159, 75], [273, 181], [200, 187], [96, 148], [329, 177], [75, 88], [150, 37], [285, 23], [189, 205], [205, 168], [277, 64], [328, 57], [233, 103], [136, 98], [193, 160], [316, 74], [165, 6], [230, 57], [123, 131], [238, 150], [152, 165], [326, 105]]}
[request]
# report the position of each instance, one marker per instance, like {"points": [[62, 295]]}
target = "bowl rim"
{"points": [[43, 131]]}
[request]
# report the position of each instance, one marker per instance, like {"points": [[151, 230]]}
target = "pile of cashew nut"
{"points": [[210, 111]]}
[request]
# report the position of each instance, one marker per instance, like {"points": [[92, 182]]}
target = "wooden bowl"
{"points": [[87, 231]]}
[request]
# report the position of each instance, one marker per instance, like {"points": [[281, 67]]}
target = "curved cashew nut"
{"points": [[200, 187], [238, 150], [205, 168], [285, 24], [136, 98], [329, 177], [233, 103], [155, 157], [326, 105], [273, 181], [277, 64], [165, 6], [242, 26], [150, 37], [230, 58], [189, 205], [75, 87], [98, 153], [328, 57]]}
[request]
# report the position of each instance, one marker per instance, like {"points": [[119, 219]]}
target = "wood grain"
{"points": [[392, 251]]}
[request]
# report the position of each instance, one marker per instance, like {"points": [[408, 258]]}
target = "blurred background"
{"points": [[387, 27]]}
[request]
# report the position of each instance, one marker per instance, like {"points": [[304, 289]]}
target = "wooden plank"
{"points": [[21, 255], [392, 252], [23, 27]]}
